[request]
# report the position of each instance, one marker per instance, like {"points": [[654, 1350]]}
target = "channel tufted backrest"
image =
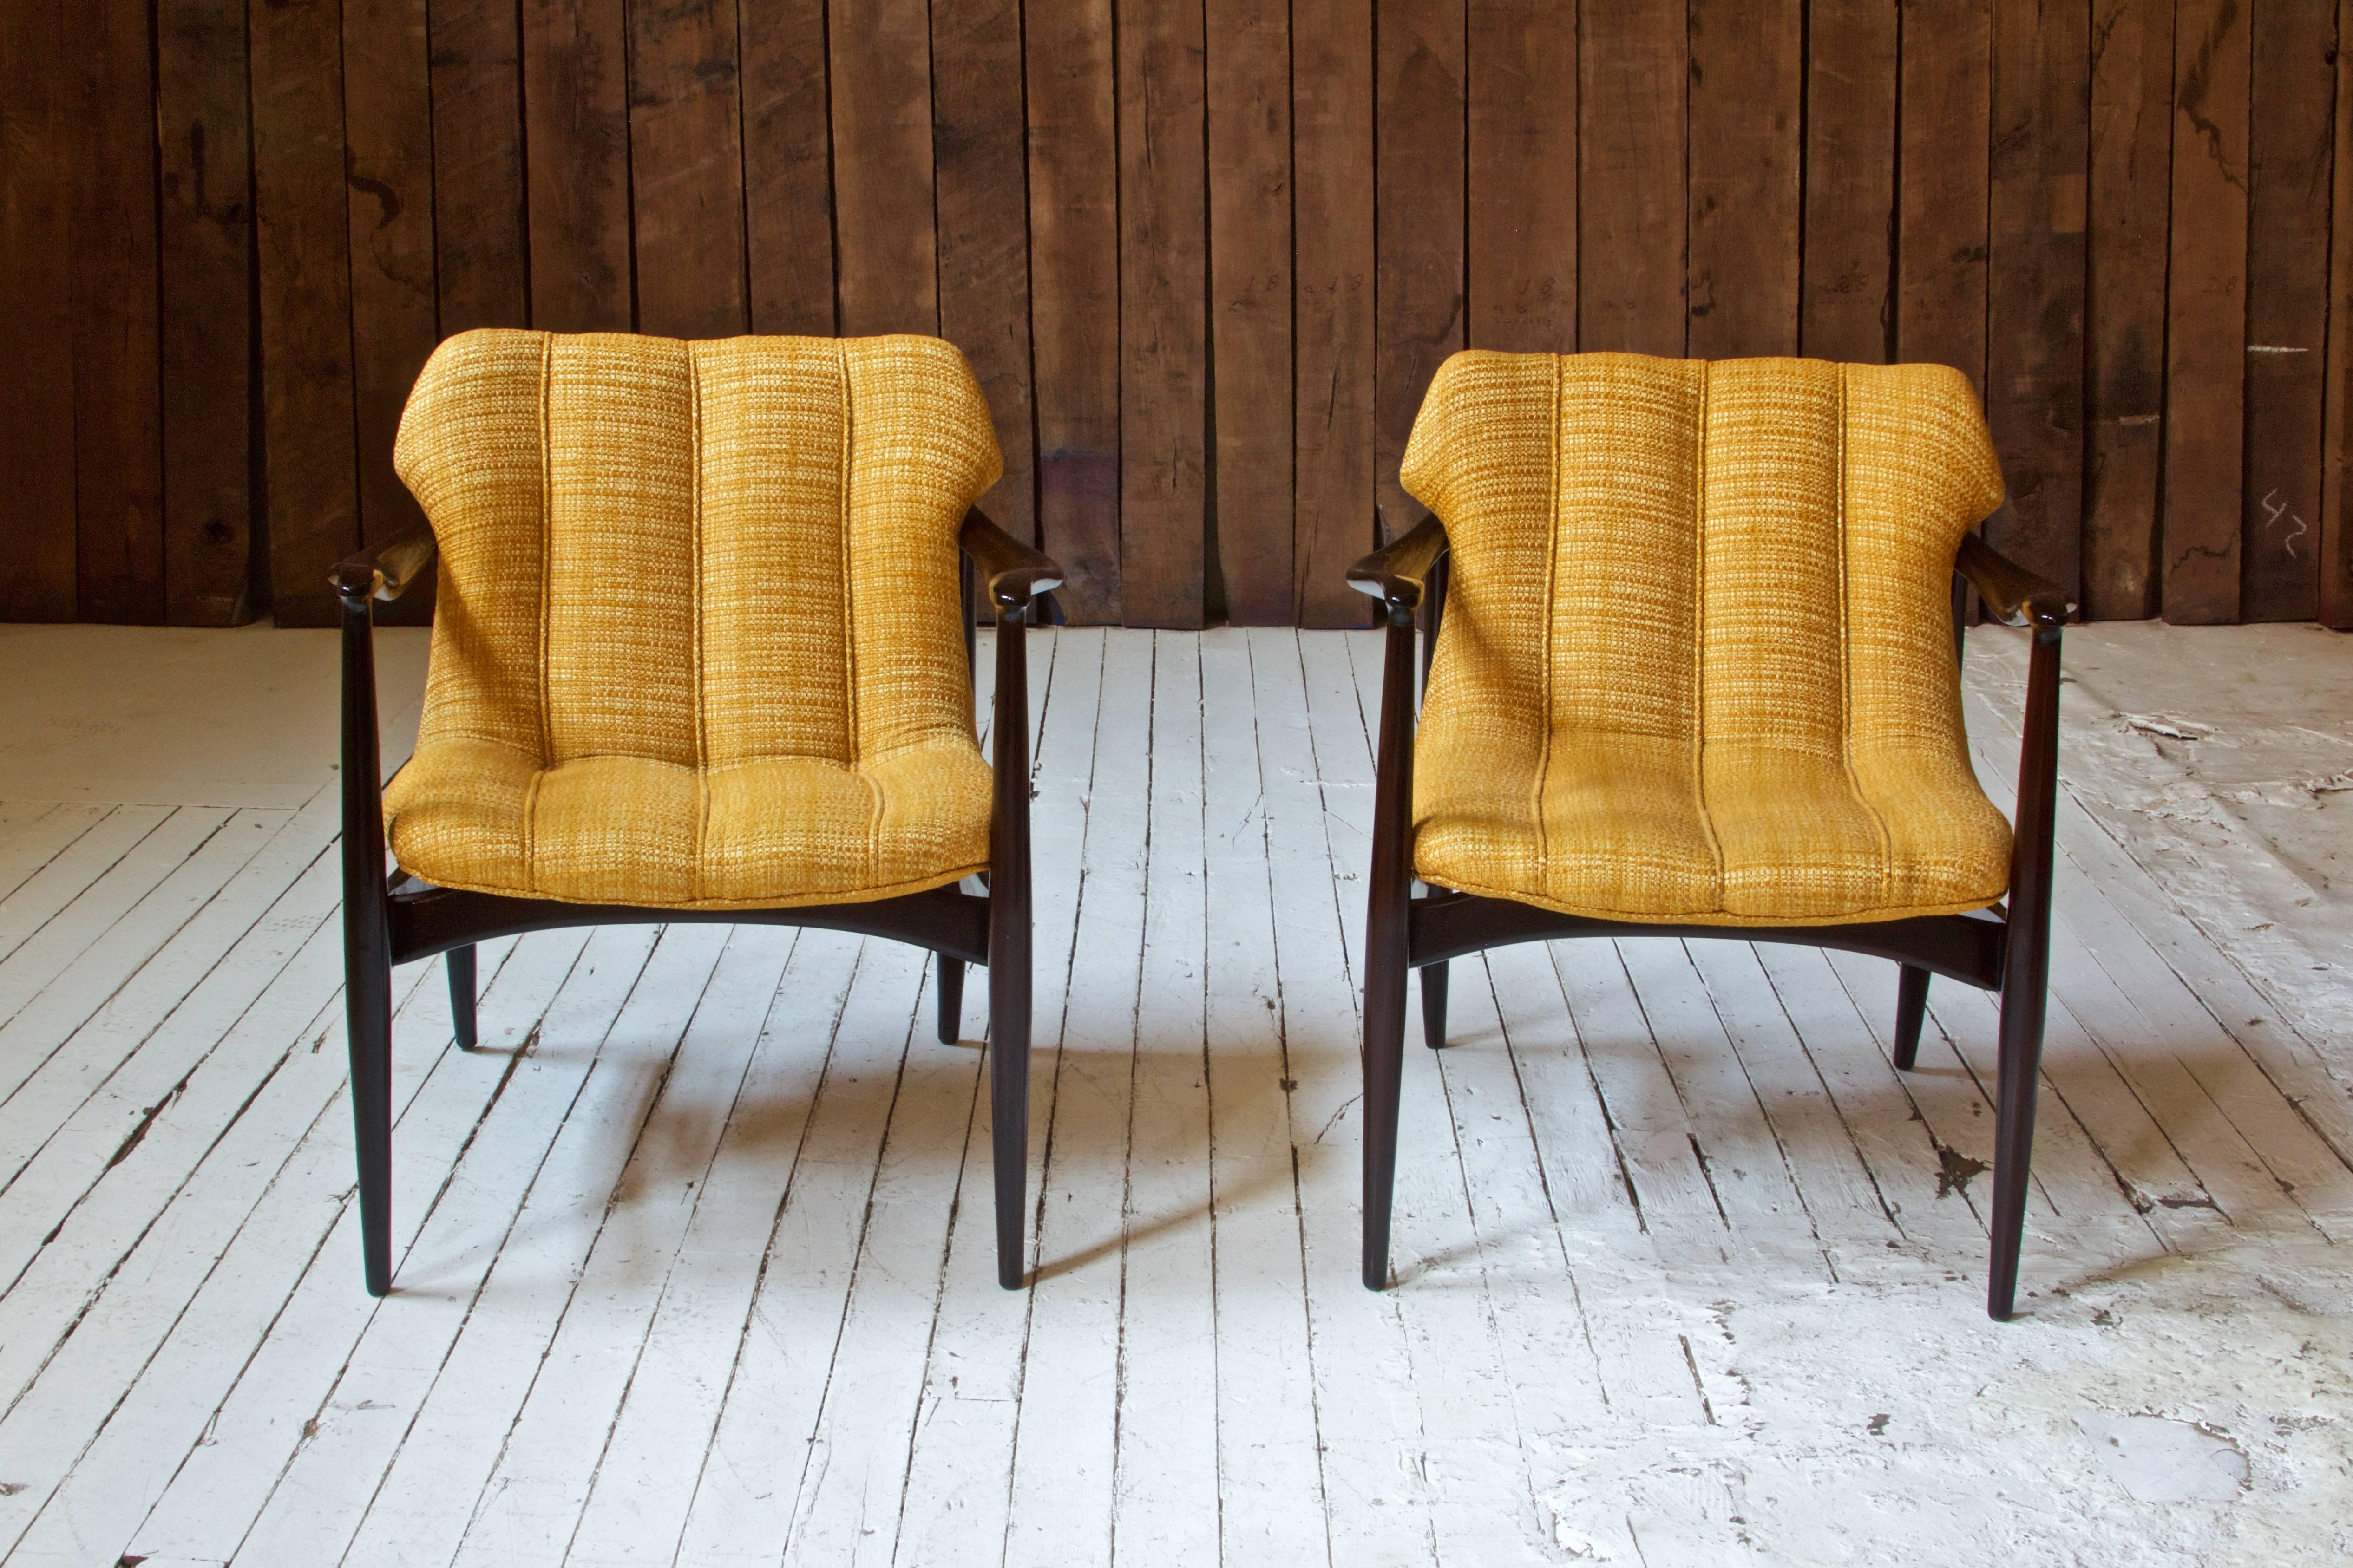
{"points": [[700, 554]]}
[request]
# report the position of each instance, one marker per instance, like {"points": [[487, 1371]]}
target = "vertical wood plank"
{"points": [[1746, 76], [2287, 306], [789, 165], [1846, 308], [686, 170], [1074, 259], [882, 165], [2124, 326], [1940, 259], [577, 159], [117, 381], [306, 304], [388, 137], [2034, 376], [36, 396], [1162, 305], [204, 247], [1522, 229], [1418, 120], [1332, 261], [1249, 306], [2337, 456], [2206, 309], [1633, 79], [477, 173], [983, 230]]}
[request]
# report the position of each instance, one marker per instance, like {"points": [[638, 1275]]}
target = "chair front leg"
{"points": [[1008, 945], [367, 943], [1386, 948]]}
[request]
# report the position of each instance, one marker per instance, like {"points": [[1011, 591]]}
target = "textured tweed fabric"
{"points": [[1697, 660], [697, 642]]}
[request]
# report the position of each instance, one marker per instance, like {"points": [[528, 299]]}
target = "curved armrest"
{"points": [[387, 571], [1016, 572], [2016, 596], [1395, 573]]}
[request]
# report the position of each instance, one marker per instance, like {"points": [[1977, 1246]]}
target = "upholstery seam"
{"points": [[546, 597], [1699, 631], [694, 523], [1846, 665], [1552, 591]]}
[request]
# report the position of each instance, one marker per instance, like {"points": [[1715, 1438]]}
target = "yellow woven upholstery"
{"points": [[1697, 660], [697, 639]]}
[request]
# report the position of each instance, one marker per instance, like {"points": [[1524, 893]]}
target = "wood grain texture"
{"points": [[388, 138], [117, 380], [2123, 324], [1163, 310], [1846, 308], [1522, 158], [788, 166], [984, 229], [478, 164], [1074, 261], [881, 99], [1940, 266], [304, 244], [2207, 313], [1332, 262], [2293, 82], [2335, 530], [1417, 240], [36, 396], [1747, 83], [686, 170], [577, 156], [1633, 78], [205, 252], [1250, 319], [2034, 377]]}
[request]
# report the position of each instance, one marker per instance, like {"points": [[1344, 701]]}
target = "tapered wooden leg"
{"points": [[1433, 1006], [1387, 946], [1911, 1011], [367, 943], [2022, 1061], [461, 964], [1009, 949], [1384, 1073], [951, 999], [367, 1017]]}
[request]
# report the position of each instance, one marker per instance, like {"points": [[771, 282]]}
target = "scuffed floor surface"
{"points": [[693, 1255]]}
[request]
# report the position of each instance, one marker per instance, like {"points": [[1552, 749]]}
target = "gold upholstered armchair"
{"points": [[701, 651], [1692, 670]]}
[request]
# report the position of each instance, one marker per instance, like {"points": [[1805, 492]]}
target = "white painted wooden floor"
{"points": [[693, 1255]]}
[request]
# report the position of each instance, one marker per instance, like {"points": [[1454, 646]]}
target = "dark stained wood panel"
{"points": [[1249, 316], [478, 164], [303, 242], [1943, 140], [686, 170], [1332, 283], [2335, 527], [1418, 122], [1747, 72], [2034, 378], [1074, 286], [2124, 326], [204, 268], [883, 166], [117, 417], [789, 165], [983, 230], [2294, 83], [1163, 314], [576, 158], [1522, 159], [1633, 69], [2206, 309], [1846, 308]]}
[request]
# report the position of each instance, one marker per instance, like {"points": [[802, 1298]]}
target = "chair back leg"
{"points": [[1911, 1012], [461, 964], [1433, 1006], [951, 988], [1388, 944]]}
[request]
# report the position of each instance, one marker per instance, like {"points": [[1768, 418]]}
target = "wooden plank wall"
{"points": [[1204, 257]]}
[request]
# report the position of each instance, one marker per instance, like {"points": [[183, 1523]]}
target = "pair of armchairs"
{"points": [[702, 650]]}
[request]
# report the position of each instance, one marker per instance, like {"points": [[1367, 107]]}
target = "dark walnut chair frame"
{"points": [[394, 919], [2006, 948]]}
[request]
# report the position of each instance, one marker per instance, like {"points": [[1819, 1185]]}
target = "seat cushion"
{"points": [[1697, 664]]}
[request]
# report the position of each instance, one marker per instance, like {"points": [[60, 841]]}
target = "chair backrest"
{"points": [[700, 554], [1752, 551]]}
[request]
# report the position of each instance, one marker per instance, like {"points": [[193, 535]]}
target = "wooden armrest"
{"points": [[385, 571], [2014, 596], [1395, 573], [1016, 572]]}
